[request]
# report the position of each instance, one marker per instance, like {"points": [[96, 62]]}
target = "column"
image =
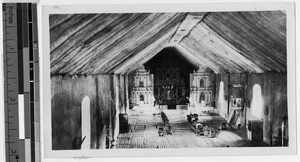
{"points": [[126, 94], [122, 94], [116, 124]]}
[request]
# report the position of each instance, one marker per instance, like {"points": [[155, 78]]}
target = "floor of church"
{"points": [[144, 132]]}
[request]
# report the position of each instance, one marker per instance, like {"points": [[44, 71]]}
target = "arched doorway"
{"points": [[201, 83], [142, 98], [202, 99], [86, 123]]}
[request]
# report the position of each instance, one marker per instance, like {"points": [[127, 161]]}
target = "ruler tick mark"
{"points": [[9, 142], [13, 129]]}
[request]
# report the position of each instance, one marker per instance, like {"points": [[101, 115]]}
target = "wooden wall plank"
{"points": [[74, 46], [272, 20], [114, 26], [210, 46], [231, 51], [100, 42], [186, 26], [62, 32], [136, 42], [226, 53], [191, 46], [188, 56], [67, 94], [241, 40], [58, 19], [109, 39], [232, 42], [270, 47], [139, 59], [138, 47]]}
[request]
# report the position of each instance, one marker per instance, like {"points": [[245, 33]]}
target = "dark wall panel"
{"points": [[67, 95], [130, 85], [273, 94]]}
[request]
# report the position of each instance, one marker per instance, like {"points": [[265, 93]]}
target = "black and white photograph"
{"points": [[167, 80]]}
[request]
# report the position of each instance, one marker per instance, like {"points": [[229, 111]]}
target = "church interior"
{"points": [[168, 80]]}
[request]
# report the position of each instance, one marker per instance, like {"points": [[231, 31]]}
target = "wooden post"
{"points": [[122, 94], [116, 124], [245, 99], [126, 94], [228, 93]]}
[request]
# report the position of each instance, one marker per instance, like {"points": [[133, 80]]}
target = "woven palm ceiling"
{"points": [[233, 42]]}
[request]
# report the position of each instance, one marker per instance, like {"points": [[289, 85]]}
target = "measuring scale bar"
{"points": [[21, 92]]}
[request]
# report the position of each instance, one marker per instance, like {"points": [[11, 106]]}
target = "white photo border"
{"points": [[45, 80]]}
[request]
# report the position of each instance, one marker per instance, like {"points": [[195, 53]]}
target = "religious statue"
{"points": [[168, 92]]}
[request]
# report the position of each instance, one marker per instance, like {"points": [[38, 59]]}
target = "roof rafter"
{"points": [[190, 21], [120, 43]]}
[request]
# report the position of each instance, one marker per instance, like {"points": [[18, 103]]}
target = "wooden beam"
{"points": [[220, 27], [144, 59], [272, 20], [187, 55], [62, 32], [227, 53], [191, 46], [58, 19], [108, 40], [141, 45], [274, 29], [150, 50], [271, 48], [274, 36], [75, 43], [208, 43], [231, 51], [76, 49], [134, 41], [239, 38], [119, 43], [186, 26], [139, 42]]}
